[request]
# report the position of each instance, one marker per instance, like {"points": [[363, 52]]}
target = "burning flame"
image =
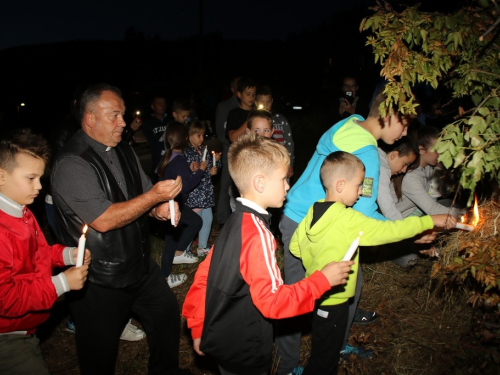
{"points": [[260, 106], [475, 221], [85, 229]]}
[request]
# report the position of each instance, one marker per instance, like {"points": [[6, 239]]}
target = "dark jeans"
{"points": [[100, 314], [178, 238], [328, 329]]}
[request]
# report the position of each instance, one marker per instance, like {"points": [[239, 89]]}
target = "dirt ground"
{"points": [[418, 332]]}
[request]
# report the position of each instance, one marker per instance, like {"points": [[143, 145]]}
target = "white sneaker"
{"points": [[132, 333], [185, 258], [174, 280]]}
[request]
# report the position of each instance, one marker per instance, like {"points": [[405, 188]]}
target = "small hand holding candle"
{"points": [[81, 247], [352, 248]]}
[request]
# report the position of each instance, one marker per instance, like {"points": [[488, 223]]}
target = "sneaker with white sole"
{"points": [[174, 280], [185, 258], [132, 333], [203, 251]]}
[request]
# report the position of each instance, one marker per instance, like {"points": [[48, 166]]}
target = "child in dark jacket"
{"points": [[201, 199], [178, 238]]}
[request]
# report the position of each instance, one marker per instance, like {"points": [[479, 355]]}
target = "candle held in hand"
{"points": [[81, 247], [204, 154], [462, 226], [213, 155], [352, 248], [172, 211]]}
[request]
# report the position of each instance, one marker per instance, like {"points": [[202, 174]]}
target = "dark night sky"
{"points": [[38, 22]]}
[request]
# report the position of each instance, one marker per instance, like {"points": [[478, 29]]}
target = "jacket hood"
{"points": [[322, 227]]}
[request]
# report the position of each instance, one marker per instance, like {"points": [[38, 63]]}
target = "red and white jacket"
{"points": [[27, 287]]}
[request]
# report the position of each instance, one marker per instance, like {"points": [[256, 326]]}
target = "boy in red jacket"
{"points": [[27, 288], [238, 289]]}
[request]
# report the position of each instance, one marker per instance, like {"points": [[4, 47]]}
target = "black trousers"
{"points": [[178, 238], [328, 329], [100, 314]]}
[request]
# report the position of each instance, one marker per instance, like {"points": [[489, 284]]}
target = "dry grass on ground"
{"points": [[417, 333]]}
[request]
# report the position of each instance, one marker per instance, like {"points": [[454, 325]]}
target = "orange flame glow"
{"points": [[475, 221], [85, 229]]}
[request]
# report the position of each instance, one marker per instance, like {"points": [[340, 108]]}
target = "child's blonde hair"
{"points": [[339, 164], [251, 153]]}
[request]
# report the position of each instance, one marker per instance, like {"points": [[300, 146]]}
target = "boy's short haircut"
{"points": [[339, 164], [264, 90], [258, 113], [379, 98], [250, 154], [93, 94], [22, 142], [244, 83], [195, 127], [181, 105]]}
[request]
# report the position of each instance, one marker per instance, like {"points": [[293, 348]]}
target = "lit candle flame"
{"points": [[138, 113], [475, 221], [260, 106], [85, 229], [462, 219]]}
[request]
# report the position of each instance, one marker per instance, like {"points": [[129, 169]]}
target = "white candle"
{"points": [[204, 154], [172, 211], [213, 155], [352, 248], [81, 247], [467, 227]]}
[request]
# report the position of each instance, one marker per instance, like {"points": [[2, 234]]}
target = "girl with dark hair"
{"points": [[178, 238]]}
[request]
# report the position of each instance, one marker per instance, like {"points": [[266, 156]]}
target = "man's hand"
{"points": [[345, 106], [168, 189], [337, 272], [196, 346], [76, 276], [86, 256]]}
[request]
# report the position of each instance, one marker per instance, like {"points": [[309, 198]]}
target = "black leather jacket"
{"points": [[120, 257]]}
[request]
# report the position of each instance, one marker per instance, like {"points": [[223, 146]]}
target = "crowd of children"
{"points": [[238, 291]]}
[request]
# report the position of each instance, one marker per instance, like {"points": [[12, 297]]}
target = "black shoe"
{"points": [[364, 317]]}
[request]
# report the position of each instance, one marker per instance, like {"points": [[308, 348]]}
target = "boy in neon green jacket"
{"points": [[325, 235]]}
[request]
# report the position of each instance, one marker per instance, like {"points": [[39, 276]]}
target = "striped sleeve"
{"points": [[260, 271]]}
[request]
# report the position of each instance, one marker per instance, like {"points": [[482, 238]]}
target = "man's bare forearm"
{"points": [[120, 214]]}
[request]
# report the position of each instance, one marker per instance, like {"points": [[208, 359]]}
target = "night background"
{"points": [[179, 48], [193, 48]]}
